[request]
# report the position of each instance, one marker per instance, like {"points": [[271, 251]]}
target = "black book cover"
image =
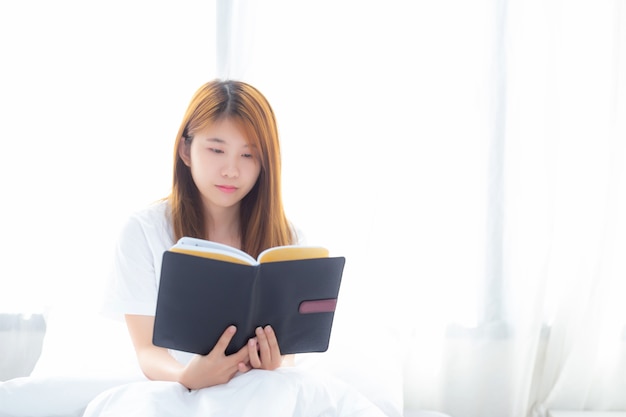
{"points": [[200, 297]]}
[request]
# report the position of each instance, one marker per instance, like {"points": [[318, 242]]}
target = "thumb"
{"points": [[225, 339]]}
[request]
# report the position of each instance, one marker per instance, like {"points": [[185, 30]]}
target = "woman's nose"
{"points": [[230, 170]]}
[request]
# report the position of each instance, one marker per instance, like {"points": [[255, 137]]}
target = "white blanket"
{"points": [[285, 392], [97, 369]]}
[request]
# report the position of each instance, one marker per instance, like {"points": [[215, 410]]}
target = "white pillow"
{"points": [[52, 396], [85, 343], [83, 354]]}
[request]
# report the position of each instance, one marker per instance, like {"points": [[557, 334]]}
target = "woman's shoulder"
{"points": [[151, 221], [297, 235], [156, 211]]}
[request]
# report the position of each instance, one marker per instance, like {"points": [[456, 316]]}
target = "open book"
{"points": [[219, 251], [207, 286]]}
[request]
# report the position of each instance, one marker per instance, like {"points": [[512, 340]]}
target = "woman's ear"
{"points": [[183, 151]]}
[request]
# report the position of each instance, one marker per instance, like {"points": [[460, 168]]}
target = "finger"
{"points": [[272, 341], [240, 361], [264, 347], [225, 339], [243, 367], [274, 349], [245, 363], [253, 353], [242, 355]]}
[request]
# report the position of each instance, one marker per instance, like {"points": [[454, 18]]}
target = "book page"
{"points": [[212, 250], [292, 253]]}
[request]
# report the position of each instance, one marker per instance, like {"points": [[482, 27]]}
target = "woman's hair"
{"points": [[262, 218]]}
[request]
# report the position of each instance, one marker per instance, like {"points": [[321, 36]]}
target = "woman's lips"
{"points": [[226, 188]]}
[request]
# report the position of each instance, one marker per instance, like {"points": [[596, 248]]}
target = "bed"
{"points": [[84, 375]]}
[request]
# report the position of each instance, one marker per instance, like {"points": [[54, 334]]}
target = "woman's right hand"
{"points": [[202, 371], [216, 367]]}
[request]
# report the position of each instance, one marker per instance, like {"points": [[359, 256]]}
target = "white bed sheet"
{"points": [[286, 392]]}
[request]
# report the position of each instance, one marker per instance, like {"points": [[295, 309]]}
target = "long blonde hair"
{"points": [[262, 217]]}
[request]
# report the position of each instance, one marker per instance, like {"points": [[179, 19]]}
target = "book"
{"points": [[207, 286]]}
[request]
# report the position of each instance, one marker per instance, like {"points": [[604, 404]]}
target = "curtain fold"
{"points": [[233, 45], [566, 193]]}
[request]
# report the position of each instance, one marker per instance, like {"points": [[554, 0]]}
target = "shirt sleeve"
{"points": [[298, 235], [133, 281]]}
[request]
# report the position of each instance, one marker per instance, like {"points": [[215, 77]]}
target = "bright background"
{"points": [[92, 97], [466, 157]]}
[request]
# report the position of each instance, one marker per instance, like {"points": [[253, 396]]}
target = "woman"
{"points": [[226, 188]]}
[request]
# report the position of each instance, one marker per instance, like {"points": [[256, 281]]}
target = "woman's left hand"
{"points": [[263, 350]]}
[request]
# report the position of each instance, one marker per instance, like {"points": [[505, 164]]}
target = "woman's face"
{"points": [[223, 166]]}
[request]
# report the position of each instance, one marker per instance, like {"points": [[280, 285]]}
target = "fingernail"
{"points": [[268, 328]]}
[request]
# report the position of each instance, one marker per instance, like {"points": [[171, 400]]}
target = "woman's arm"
{"points": [[202, 371]]}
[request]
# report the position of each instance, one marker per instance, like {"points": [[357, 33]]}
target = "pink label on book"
{"points": [[318, 306]]}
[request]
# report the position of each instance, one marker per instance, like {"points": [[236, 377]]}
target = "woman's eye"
{"points": [[247, 155], [215, 150]]}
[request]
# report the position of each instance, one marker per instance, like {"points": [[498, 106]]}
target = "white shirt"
{"points": [[134, 281]]}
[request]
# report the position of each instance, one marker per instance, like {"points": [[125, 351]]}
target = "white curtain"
{"points": [[467, 157], [566, 140]]}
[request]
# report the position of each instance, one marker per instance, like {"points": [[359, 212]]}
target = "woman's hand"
{"points": [[263, 350], [216, 367]]}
